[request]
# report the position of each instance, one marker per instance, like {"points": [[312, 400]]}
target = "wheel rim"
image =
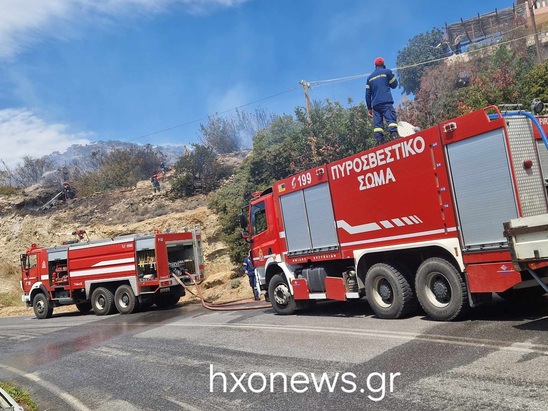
{"points": [[124, 300], [383, 294], [40, 307], [281, 294], [101, 302], [437, 290]]}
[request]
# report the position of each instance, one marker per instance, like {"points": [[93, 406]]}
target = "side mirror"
{"points": [[24, 263], [243, 221]]}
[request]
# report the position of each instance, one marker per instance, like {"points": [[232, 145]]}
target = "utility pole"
{"points": [[306, 86], [534, 23]]}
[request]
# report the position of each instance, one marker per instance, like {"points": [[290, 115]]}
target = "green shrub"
{"points": [[120, 169], [20, 396], [198, 172]]}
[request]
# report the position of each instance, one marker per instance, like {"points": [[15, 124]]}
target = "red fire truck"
{"points": [[443, 217], [123, 273]]}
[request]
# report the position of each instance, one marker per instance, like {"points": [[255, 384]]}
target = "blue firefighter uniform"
{"points": [[378, 98], [250, 271]]}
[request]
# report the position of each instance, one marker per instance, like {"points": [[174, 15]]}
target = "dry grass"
{"points": [[10, 299], [10, 289]]}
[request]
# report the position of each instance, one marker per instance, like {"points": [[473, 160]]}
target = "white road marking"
{"points": [[524, 347], [183, 405], [65, 396]]}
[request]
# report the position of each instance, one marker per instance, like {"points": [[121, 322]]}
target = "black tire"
{"points": [[522, 295], [441, 290], [124, 299], [280, 296], [102, 301], [144, 303], [388, 292], [84, 307], [43, 307], [167, 301]]}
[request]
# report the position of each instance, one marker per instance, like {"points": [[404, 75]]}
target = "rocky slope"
{"points": [[136, 210]]}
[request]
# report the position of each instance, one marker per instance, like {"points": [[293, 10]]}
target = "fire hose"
{"points": [[236, 305]]}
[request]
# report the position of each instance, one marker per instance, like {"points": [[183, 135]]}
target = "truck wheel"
{"points": [[167, 301], [388, 291], [102, 301], [124, 299], [280, 296], [43, 308], [84, 307], [441, 290], [144, 303]]}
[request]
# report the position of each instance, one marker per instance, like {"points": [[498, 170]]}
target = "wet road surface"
{"points": [[338, 356]]}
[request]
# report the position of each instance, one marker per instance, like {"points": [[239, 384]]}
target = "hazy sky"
{"points": [[73, 71]]}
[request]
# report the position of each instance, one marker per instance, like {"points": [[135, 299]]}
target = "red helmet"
{"points": [[379, 61]]}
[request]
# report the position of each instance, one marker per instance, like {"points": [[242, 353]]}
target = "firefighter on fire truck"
{"points": [[380, 103]]}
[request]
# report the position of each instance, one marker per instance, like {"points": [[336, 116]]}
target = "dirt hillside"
{"points": [[136, 210]]}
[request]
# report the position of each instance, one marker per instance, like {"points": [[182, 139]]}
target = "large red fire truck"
{"points": [[123, 273], [443, 217]]}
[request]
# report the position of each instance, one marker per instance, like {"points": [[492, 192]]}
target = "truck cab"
{"points": [[31, 266], [263, 234]]}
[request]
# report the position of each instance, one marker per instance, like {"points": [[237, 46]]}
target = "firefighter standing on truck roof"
{"points": [[380, 103]]}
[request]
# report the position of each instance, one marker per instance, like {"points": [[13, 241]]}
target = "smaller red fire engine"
{"points": [[121, 274]]}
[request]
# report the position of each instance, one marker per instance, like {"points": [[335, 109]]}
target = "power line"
{"points": [[321, 83], [208, 116], [328, 82]]}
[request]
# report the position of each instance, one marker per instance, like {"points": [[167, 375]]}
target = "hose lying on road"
{"points": [[237, 305]]}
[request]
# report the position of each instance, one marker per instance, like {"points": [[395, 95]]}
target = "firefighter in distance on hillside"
{"points": [[155, 183], [69, 193]]}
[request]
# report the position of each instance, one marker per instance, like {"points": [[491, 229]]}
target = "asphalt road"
{"points": [[337, 357]]}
